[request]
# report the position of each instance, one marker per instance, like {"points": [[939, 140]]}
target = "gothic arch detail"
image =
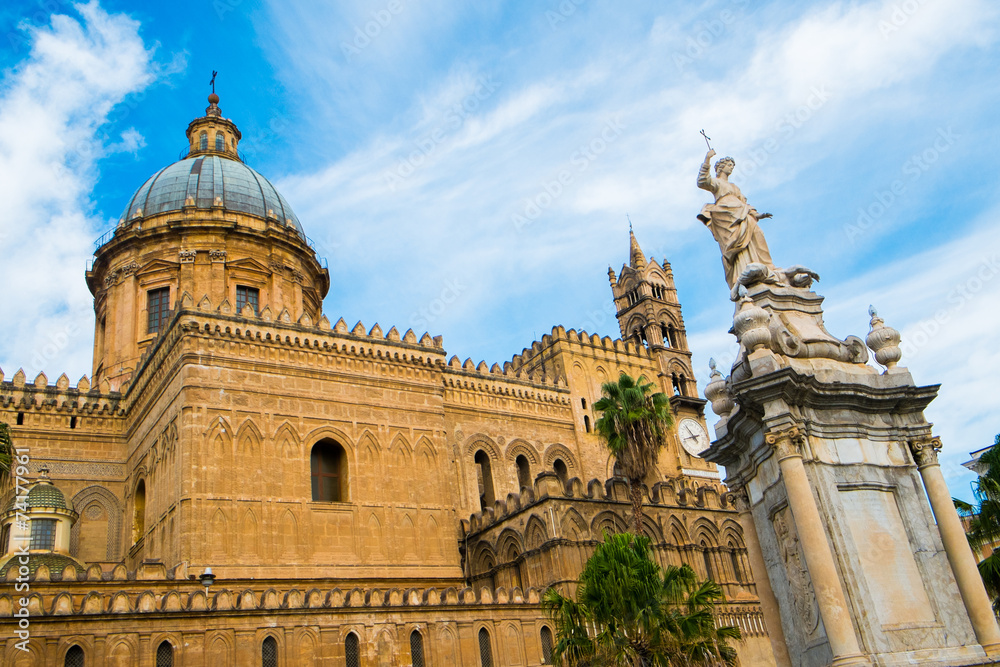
{"points": [[85, 502]]}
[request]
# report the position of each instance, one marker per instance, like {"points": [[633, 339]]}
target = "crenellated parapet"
{"points": [[39, 399]]}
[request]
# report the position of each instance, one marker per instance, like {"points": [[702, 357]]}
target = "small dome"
{"points": [[45, 494], [205, 179], [55, 562]]}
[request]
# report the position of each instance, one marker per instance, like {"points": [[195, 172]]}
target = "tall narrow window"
{"points": [[485, 476], [43, 534], [139, 512], [157, 308], [735, 562], [560, 469], [5, 539], [165, 655], [709, 573], [416, 649], [203, 141], [245, 296], [220, 141], [329, 472], [586, 422], [523, 472], [485, 650], [666, 335], [20, 419], [672, 335], [269, 653], [74, 657], [676, 384], [352, 653], [546, 637]]}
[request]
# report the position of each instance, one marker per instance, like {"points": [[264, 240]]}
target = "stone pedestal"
{"points": [[833, 457]]}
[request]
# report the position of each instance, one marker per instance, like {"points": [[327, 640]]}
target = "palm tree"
{"points": [[634, 423], [628, 611], [984, 519]]}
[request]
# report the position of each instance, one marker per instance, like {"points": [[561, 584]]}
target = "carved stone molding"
{"points": [[925, 450], [217, 255], [128, 269], [739, 499], [786, 442], [277, 267], [298, 277], [187, 256]]}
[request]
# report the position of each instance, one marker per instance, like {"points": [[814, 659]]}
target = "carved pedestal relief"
{"points": [[800, 584]]}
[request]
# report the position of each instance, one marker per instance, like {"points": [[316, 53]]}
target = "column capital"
{"points": [[787, 442], [925, 450], [739, 499]]}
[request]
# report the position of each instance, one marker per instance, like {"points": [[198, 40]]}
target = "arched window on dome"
{"points": [[329, 472], [203, 141], [220, 141]]}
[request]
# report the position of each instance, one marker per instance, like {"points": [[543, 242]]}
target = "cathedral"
{"points": [[243, 482]]}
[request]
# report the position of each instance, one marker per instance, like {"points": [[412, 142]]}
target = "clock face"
{"points": [[693, 437]]}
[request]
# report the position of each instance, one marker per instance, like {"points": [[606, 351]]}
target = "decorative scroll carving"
{"points": [[298, 277], [276, 266], [739, 499], [187, 256], [128, 269], [925, 450], [801, 587], [786, 442], [217, 255]]}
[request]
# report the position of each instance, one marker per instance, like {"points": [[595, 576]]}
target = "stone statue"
{"points": [[732, 221]]}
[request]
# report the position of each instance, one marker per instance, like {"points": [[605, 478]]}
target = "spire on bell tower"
{"points": [[636, 259]]}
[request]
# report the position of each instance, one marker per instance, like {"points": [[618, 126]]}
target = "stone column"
{"points": [[818, 556], [768, 603], [956, 545]]}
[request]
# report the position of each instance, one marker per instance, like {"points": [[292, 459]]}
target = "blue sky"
{"points": [[418, 143]]}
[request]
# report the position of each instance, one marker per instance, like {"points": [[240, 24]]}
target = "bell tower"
{"points": [[649, 315]]}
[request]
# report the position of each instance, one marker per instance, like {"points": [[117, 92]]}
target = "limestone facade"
{"points": [[340, 481]]}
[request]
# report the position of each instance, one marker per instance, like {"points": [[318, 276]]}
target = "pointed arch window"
{"points": [[416, 649], [165, 654], [352, 652], [74, 656], [485, 649], [328, 464], [523, 471], [676, 384], [269, 652], [139, 512], [709, 572], [546, 639], [735, 559], [484, 475], [559, 466]]}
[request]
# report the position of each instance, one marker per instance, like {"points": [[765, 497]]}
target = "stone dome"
{"points": [[205, 179]]}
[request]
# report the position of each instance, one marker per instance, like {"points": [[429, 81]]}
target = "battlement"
{"points": [[83, 399], [579, 338]]}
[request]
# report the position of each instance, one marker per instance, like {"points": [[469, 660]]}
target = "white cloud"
{"points": [[52, 106]]}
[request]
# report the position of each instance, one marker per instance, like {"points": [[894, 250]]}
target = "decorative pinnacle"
{"points": [[711, 364], [872, 312]]}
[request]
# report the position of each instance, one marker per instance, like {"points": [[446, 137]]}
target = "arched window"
{"points": [[523, 471], [709, 572], [586, 423], [139, 512], [416, 649], [220, 141], [269, 652], [351, 651], [666, 335], [672, 335], [676, 384], [546, 645], [203, 141], [684, 385], [485, 476], [74, 657], [165, 654], [328, 464], [560, 469], [485, 650], [736, 562]]}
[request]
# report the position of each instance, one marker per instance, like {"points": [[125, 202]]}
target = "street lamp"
{"points": [[207, 578]]}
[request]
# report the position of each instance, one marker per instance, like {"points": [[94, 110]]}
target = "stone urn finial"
{"points": [[883, 341], [717, 393], [750, 323]]}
